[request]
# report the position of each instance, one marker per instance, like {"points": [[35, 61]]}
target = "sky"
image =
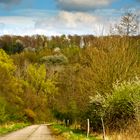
{"points": [[57, 17]]}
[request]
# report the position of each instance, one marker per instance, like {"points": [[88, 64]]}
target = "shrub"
{"points": [[30, 114], [122, 107], [55, 60], [95, 111]]}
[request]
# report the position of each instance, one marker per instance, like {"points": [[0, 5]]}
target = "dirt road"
{"points": [[34, 132]]}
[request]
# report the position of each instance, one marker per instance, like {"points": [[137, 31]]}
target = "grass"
{"points": [[9, 127], [131, 133], [70, 134]]}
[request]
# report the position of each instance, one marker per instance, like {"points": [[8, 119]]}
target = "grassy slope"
{"points": [[6, 128], [69, 133]]}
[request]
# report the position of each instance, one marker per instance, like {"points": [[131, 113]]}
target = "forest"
{"points": [[75, 78]]}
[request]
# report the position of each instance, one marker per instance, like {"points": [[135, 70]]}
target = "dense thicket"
{"points": [[56, 78]]}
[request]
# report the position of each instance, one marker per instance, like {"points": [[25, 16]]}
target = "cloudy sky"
{"points": [[56, 17]]}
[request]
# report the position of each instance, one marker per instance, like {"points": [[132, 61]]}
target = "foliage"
{"points": [[69, 102], [30, 115], [123, 106], [12, 48], [37, 79], [6, 64], [95, 111], [107, 65], [3, 115], [55, 60]]}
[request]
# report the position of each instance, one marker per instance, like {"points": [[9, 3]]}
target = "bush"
{"points": [[30, 115], [55, 60], [95, 111], [122, 107]]}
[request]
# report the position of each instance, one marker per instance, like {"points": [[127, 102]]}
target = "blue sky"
{"points": [[56, 17]]}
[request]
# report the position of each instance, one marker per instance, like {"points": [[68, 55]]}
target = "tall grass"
{"points": [[131, 133]]}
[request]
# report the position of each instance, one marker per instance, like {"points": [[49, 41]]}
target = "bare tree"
{"points": [[128, 24]]}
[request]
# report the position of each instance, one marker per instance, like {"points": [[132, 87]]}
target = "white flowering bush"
{"points": [[123, 106]]}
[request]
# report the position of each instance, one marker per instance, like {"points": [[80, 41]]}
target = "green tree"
{"points": [[7, 70], [37, 79], [10, 86]]}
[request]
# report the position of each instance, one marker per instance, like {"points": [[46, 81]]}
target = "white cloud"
{"points": [[16, 25], [16, 20], [74, 20], [76, 23], [69, 23], [62, 22], [81, 5]]}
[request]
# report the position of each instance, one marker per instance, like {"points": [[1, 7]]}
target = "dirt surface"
{"points": [[34, 132]]}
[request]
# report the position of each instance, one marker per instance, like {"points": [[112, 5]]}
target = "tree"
{"points": [[36, 78], [17, 47], [10, 88], [128, 24], [7, 70]]}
